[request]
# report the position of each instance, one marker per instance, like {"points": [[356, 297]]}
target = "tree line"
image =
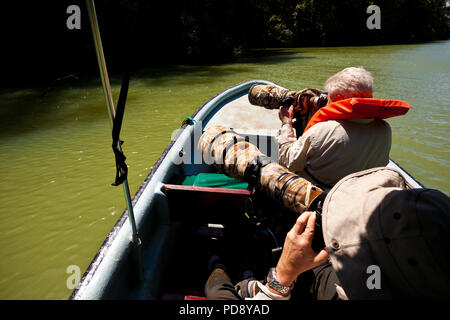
{"points": [[148, 33]]}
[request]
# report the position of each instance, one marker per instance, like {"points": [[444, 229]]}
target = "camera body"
{"points": [[287, 102], [305, 106], [318, 242], [312, 103], [321, 101]]}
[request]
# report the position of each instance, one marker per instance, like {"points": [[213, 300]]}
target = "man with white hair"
{"points": [[346, 136]]}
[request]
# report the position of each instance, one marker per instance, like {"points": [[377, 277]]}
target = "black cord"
{"points": [[121, 166]]}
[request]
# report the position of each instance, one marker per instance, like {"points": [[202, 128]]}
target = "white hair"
{"points": [[350, 83]]}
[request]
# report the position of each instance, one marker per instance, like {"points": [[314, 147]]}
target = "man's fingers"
{"points": [[291, 112], [300, 224], [321, 257], [310, 225]]}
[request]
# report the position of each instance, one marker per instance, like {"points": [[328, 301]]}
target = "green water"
{"points": [[57, 164]]}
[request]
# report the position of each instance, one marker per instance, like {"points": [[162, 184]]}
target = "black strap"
{"points": [[208, 152], [253, 170], [121, 166], [316, 205], [130, 45], [228, 146], [219, 134], [277, 191]]}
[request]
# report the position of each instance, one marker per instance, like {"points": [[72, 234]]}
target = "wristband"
{"points": [[273, 283], [286, 122]]}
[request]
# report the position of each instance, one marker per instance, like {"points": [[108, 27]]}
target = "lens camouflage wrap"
{"points": [[270, 96], [232, 154]]}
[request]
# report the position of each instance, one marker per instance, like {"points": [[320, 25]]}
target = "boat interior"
{"points": [[246, 230]]}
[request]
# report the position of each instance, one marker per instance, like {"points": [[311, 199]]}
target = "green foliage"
{"points": [[211, 29], [143, 33]]}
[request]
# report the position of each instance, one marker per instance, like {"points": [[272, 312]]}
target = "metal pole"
{"points": [[112, 113]]}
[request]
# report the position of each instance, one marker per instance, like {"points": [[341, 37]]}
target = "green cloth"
{"points": [[215, 180]]}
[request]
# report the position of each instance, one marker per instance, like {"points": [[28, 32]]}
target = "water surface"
{"points": [[57, 163]]}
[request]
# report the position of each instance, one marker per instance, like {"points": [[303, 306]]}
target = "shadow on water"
{"points": [[26, 110], [272, 56], [203, 73], [45, 106]]}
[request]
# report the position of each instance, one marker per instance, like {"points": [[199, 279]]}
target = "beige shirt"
{"points": [[331, 150]]}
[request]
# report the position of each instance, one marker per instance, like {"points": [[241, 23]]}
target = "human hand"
{"points": [[297, 255], [286, 113]]}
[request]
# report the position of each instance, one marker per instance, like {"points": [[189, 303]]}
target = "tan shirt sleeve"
{"points": [[293, 153]]}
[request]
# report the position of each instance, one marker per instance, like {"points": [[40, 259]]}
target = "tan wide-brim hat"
{"points": [[386, 240]]}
